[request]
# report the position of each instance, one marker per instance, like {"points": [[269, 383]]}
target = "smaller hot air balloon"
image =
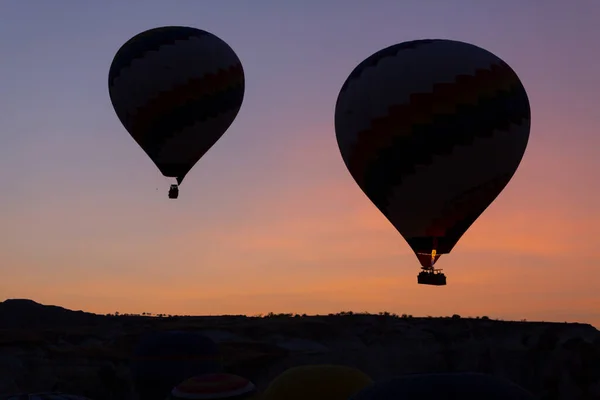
{"points": [[432, 131], [43, 396], [317, 382], [176, 90], [220, 386], [161, 360], [443, 386]]}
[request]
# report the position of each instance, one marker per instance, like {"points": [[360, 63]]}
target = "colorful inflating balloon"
{"points": [[448, 386], [161, 360], [176, 90], [43, 396], [316, 382], [214, 387], [432, 131]]}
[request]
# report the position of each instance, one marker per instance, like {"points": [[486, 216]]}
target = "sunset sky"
{"points": [[270, 219]]}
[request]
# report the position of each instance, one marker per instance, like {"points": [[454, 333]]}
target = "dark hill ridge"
{"points": [[24, 313], [28, 314], [49, 347]]}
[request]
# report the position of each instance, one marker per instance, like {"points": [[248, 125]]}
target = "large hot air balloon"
{"points": [[176, 90], [444, 386], [432, 131], [161, 360], [316, 382], [219, 386]]}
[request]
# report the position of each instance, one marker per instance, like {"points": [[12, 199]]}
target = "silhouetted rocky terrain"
{"points": [[52, 348]]}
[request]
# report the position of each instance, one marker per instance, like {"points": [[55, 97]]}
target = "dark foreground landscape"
{"points": [[51, 348]]}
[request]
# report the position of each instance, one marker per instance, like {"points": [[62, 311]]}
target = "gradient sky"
{"points": [[270, 219]]}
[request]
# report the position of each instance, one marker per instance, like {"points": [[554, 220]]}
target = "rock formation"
{"points": [[50, 348]]}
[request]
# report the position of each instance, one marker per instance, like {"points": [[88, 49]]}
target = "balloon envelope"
{"points": [[176, 90], [432, 131], [449, 386], [316, 382], [161, 360], [214, 387]]}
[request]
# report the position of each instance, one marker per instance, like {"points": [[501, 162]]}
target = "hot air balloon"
{"points": [[214, 386], [443, 386], [161, 360], [432, 131], [176, 91], [43, 396], [316, 382]]}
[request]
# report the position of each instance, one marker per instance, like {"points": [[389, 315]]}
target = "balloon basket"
{"points": [[432, 276], [173, 192]]}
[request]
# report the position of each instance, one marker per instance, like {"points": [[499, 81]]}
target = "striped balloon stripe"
{"points": [[452, 105], [170, 66], [188, 146], [194, 89], [406, 153], [173, 65], [151, 40], [446, 179], [214, 386], [385, 175], [395, 80], [168, 123], [469, 204], [458, 215], [132, 82], [373, 60]]}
